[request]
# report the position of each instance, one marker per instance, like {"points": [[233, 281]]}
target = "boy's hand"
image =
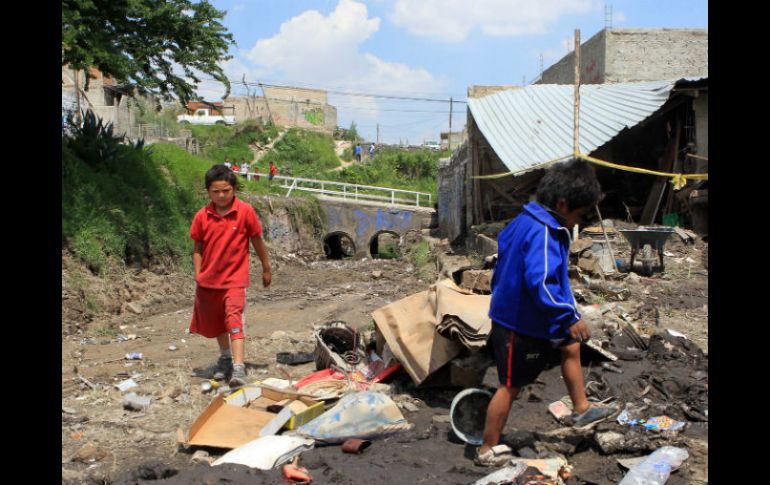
{"points": [[267, 277], [579, 331]]}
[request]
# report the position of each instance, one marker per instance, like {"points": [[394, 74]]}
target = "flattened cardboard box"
{"points": [[230, 425]]}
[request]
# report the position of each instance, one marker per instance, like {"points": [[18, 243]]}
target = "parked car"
{"points": [[203, 116]]}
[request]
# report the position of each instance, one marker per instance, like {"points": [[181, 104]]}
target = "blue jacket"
{"points": [[531, 293]]}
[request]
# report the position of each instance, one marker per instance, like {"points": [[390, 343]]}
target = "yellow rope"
{"points": [[679, 180]]}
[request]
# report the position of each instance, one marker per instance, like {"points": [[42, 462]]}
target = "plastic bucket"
{"points": [[468, 414]]}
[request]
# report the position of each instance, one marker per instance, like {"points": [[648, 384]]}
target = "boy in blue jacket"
{"points": [[533, 310]]}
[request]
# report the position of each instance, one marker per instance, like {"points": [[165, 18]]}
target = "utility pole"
{"points": [[378, 133], [77, 95], [267, 104], [449, 141]]}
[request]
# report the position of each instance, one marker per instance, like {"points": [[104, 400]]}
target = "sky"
{"points": [[430, 49]]}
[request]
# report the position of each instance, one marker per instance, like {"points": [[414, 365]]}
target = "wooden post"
{"points": [[576, 135], [449, 141]]}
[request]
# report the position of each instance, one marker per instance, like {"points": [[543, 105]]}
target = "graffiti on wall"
{"points": [[315, 116]]}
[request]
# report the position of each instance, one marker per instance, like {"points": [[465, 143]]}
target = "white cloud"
{"points": [[452, 20], [325, 51]]}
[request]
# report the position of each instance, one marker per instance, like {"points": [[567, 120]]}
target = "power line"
{"points": [[344, 93]]}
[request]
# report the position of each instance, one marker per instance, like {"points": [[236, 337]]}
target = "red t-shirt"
{"points": [[273, 169], [225, 244]]}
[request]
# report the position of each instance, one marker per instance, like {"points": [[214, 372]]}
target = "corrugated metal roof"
{"points": [[530, 126]]}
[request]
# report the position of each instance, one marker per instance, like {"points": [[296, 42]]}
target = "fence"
{"points": [[353, 192]]}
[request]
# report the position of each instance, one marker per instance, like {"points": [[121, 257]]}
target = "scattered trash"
{"points": [[656, 468], [441, 418], [407, 406], [172, 348], [208, 386], [338, 344], [656, 423], [266, 452], [294, 358], [355, 446], [547, 466], [468, 414], [674, 333], [596, 345], [504, 475], [294, 473], [135, 402], [364, 415], [561, 409], [87, 382], [134, 356], [126, 385], [276, 383], [611, 368], [76, 435]]}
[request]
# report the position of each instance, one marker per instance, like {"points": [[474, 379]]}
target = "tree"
{"points": [[352, 134], [142, 42]]}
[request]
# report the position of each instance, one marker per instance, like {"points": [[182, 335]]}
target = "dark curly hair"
{"points": [[574, 181], [221, 172]]}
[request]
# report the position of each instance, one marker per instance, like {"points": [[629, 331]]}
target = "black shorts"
{"points": [[519, 358]]}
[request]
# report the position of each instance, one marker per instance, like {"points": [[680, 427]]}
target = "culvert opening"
{"points": [[385, 245], [339, 245]]}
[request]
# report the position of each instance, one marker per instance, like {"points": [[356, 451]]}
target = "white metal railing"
{"points": [[348, 191]]}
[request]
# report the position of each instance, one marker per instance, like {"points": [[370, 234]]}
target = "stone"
{"points": [[407, 406], [633, 278], [609, 441], [441, 418], [134, 307], [376, 274], [278, 334], [581, 245], [90, 452], [477, 279], [201, 456]]}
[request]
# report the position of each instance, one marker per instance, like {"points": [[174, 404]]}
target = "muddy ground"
{"points": [[136, 447]]}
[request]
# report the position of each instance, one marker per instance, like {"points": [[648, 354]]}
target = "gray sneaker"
{"points": [[223, 367], [594, 414], [238, 378]]}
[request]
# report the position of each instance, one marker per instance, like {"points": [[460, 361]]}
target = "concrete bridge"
{"points": [[353, 227], [356, 215]]}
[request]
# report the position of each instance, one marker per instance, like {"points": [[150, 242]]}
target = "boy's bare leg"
{"points": [[573, 376], [223, 339], [237, 345], [497, 415]]}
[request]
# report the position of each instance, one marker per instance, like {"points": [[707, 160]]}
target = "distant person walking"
{"points": [[245, 169], [235, 168], [371, 150], [358, 153], [273, 171], [228, 164]]}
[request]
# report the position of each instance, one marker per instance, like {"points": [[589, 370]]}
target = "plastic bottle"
{"points": [[657, 467]]}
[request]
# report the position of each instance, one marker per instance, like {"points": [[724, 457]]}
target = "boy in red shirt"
{"points": [[222, 231]]}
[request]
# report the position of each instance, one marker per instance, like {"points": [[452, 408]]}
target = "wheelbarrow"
{"points": [[648, 240]]}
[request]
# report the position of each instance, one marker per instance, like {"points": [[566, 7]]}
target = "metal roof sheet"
{"points": [[533, 125]]}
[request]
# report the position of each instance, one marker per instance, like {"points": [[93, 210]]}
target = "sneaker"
{"points": [[595, 413], [496, 456], [223, 367], [238, 378]]}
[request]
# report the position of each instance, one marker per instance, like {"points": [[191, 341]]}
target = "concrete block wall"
{"points": [[633, 55], [652, 54], [592, 63]]}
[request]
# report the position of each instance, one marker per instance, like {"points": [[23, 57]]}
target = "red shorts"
{"points": [[218, 311]]}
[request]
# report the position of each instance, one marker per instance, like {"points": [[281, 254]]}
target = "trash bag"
{"points": [[365, 415]]}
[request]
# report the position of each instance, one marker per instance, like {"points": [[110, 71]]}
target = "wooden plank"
{"points": [[500, 191], [665, 163]]}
